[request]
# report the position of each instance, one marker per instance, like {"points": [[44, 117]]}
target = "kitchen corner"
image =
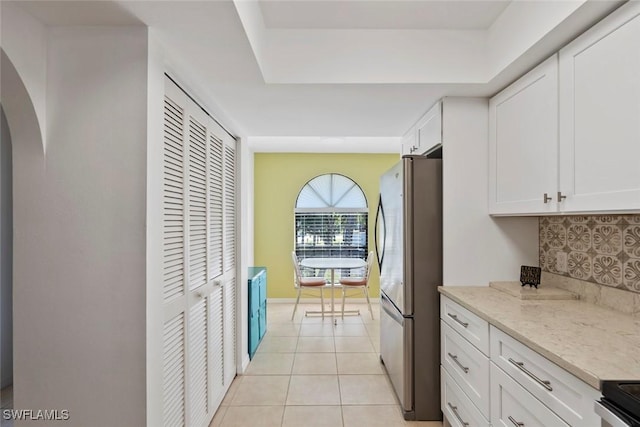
{"points": [[570, 333], [538, 357]]}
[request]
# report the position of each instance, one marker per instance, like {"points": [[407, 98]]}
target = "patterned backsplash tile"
{"points": [[600, 249]]}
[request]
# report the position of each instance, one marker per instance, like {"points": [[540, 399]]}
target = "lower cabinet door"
{"points": [[513, 406], [262, 320], [456, 406], [254, 333], [467, 366]]}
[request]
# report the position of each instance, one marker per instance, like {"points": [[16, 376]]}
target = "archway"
{"points": [[20, 139]]}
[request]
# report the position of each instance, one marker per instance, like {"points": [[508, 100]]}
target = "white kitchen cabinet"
{"points": [[465, 368], [429, 130], [471, 327], [557, 389], [599, 116], [467, 365], [426, 134], [409, 142], [456, 406], [569, 129], [523, 144], [514, 385], [512, 405]]}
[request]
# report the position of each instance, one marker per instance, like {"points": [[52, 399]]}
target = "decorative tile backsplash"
{"points": [[600, 249]]}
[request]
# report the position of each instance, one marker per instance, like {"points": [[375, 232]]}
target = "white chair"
{"points": [[306, 282], [358, 283]]}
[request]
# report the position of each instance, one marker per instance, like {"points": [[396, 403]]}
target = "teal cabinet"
{"points": [[257, 307]]}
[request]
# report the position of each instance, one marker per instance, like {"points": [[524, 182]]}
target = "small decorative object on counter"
{"points": [[530, 276]]}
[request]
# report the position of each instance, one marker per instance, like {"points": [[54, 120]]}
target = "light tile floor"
{"points": [[310, 372]]}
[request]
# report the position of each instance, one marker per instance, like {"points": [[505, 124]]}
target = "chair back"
{"points": [[296, 268], [369, 266]]}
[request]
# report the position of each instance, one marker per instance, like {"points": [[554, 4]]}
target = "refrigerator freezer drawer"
{"points": [[396, 353]]}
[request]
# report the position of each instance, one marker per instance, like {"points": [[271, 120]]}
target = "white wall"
{"points": [[6, 256], [155, 186], [24, 41], [246, 247], [477, 247], [79, 234]]}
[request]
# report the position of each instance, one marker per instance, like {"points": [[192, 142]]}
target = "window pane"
{"points": [[353, 198], [331, 235], [331, 190]]}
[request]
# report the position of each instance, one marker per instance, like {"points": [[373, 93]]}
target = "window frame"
{"points": [[328, 213]]}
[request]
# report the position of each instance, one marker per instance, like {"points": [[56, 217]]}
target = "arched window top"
{"points": [[331, 192]]}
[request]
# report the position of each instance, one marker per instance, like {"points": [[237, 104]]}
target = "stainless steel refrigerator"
{"points": [[409, 251]]}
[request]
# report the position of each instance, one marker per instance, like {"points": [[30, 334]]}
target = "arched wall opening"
{"points": [[20, 139]]}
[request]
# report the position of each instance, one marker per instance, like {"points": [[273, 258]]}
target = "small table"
{"points": [[333, 264]]}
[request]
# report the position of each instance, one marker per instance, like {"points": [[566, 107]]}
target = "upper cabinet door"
{"points": [[409, 142], [600, 116], [429, 130], [523, 144]]}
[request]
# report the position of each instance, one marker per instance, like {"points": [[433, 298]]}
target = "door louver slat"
{"points": [[217, 338], [197, 204], [229, 208], [173, 213], [198, 369], [229, 311], [215, 206], [173, 372]]}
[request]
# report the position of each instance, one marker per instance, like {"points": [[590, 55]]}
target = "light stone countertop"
{"points": [[591, 342]]}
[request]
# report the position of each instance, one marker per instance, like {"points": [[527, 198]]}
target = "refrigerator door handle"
{"points": [[391, 309], [379, 241]]}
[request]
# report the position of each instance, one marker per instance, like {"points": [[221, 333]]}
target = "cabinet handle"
{"points": [[547, 199], [520, 365], [561, 197], [455, 317], [515, 423], [455, 359], [454, 409]]}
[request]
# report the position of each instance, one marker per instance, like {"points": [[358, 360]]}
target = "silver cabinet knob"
{"points": [[547, 199], [561, 197]]}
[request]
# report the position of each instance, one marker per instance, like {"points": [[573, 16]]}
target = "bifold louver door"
{"points": [[229, 204], [215, 266], [199, 287]]}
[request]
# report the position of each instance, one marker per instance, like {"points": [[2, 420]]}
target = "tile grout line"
{"points": [[335, 355]]}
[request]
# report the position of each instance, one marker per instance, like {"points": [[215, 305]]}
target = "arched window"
{"points": [[331, 218]]}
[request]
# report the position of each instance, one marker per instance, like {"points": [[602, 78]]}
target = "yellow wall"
{"points": [[279, 177]]}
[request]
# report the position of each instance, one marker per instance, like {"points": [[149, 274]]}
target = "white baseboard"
{"points": [[245, 364]]}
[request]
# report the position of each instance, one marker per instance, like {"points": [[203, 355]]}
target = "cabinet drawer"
{"points": [[457, 407], [513, 406], [467, 365], [563, 393], [471, 327]]}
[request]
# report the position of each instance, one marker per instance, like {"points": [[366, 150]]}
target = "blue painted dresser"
{"points": [[257, 307]]}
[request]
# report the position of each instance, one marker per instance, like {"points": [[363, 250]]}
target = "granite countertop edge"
{"points": [[591, 378]]}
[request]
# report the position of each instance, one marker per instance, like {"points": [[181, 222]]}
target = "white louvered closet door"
{"points": [[199, 346], [215, 273], [175, 413], [229, 257], [198, 291]]}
